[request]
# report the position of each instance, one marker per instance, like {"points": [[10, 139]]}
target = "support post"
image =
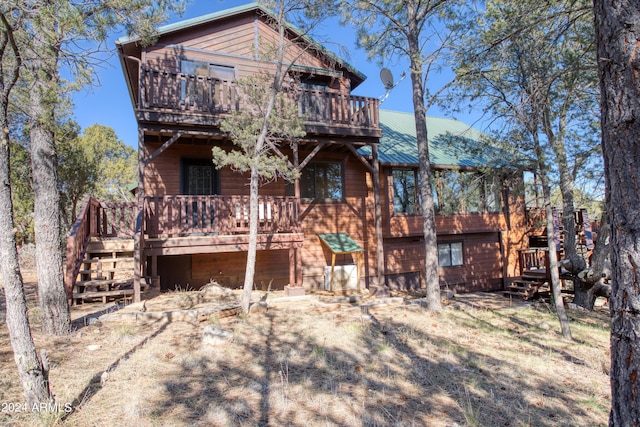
{"points": [[299, 266], [292, 267], [374, 168], [155, 280], [138, 242], [294, 288], [382, 289], [295, 262]]}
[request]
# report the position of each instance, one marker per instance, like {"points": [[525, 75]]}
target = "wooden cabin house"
{"points": [[351, 220]]}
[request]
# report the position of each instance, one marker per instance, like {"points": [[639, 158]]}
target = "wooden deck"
{"points": [[534, 274], [174, 97], [103, 237]]}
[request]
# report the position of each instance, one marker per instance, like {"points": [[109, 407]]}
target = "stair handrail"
{"points": [[83, 228]]}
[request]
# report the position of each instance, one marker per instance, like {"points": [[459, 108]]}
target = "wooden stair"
{"points": [[106, 273], [526, 288]]}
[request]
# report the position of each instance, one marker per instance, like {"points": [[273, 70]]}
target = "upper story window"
{"points": [[316, 84], [204, 69], [466, 192], [406, 191], [194, 89], [322, 180]]}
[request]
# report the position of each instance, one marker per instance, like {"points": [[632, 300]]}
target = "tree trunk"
{"points": [[30, 370], [254, 179], [576, 264], [250, 268], [584, 293], [592, 279], [53, 298], [426, 204], [583, 296], [556, 285], [618, 44]]}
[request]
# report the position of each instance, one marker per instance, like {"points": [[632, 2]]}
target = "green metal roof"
{"points": [[451, 142]]}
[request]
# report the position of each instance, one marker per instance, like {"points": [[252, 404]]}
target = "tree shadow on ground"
{"points": [[394, 373], [95, 384]]}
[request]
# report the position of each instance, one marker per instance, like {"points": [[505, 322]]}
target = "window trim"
{"points": [[215, 177], [449, 244]]}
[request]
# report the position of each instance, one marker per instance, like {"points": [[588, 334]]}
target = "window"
{"points": [[321, 180], [189, 88], [466, 192], [450, 254], [200, 68], [199, 177], [406, 197], [446, 191], [493, 193]]}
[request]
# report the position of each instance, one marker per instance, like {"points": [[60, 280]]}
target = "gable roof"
{"points": [[452, 143], [210, 18]]}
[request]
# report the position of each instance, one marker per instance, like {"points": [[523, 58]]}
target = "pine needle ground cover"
{"points": [[391, 364]]}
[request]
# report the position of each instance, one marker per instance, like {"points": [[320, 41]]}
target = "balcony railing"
{"points": [[175, 92], [222, 215]]}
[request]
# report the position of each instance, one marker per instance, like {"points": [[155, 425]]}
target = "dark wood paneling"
{"points": [[228, 269], [175, 272]]}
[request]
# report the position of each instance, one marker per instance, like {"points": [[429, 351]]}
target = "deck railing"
{"points": [[223, 215], [533, 259], [96, 219], [175, 216], [117, 219], [178, 92]]}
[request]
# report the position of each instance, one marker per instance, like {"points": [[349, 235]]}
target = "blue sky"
{"points": [[108, 102]]}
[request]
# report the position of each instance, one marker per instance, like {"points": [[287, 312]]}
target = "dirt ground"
{"points": [[485, 360]]}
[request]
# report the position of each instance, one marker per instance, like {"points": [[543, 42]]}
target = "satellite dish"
{"points": [[387, 81], [387, 78]]}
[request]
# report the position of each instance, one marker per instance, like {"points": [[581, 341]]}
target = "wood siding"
{"points": [[246, 44], [272, 269], [243, 41], [481, 271], [353, 215], [490, 241], [163, 176], [509, 225]]}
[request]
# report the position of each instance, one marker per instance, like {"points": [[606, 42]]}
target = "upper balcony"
{"points": [[178, 98]]}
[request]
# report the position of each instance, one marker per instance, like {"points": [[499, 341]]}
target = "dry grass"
{"points": [[396, 366]]}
